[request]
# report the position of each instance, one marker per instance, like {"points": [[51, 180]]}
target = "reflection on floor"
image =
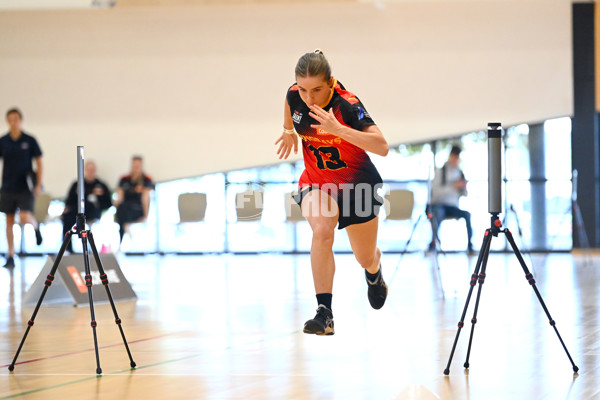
{"points": [[230, 327]]}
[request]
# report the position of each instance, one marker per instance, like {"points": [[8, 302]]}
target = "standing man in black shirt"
{"points": [[97, 199], [133, 196], [20, 184]]}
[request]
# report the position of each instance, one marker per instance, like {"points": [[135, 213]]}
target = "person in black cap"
{"points": [[448, 186], [20, 184]]}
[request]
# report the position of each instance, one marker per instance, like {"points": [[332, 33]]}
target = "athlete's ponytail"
{"points": [[313, 64]]}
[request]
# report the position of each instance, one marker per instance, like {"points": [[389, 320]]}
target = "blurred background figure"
{"points": [[20, 183], [448, 186], [97, 200], [133, 196]]}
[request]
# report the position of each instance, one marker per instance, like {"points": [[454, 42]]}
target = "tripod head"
{"points": [[80, 226]]}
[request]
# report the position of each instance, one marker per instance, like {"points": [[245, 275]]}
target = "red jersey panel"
{"points": [[329, 159]]}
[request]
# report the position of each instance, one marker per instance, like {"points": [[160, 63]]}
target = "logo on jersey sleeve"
{"points": [[362, 113], [297, 117]]}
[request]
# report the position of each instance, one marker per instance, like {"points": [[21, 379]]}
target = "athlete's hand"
{"points": [[288, 142], [327, 120]]}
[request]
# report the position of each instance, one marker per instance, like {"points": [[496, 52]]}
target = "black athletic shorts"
{"points": [[10, 202], [356, 205], [129, 211]]}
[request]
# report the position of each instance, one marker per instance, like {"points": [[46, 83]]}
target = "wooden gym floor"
{"points": [[230, 327]]}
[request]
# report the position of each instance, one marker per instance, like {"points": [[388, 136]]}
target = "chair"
{"points": [[399, 206], [40, 210], [293, 215], [192, 207], [249, 205], [401, 203]]}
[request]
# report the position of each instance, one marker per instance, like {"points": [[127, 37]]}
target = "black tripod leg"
{"points": [[414, 228], [529, 277], [486, 243], [486, 253], [48, 283], [88, 283], [104, 279]]}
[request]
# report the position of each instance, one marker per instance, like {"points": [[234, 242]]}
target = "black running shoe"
{"points": [[377, 291], [322, 323], [38, 236], [10, 262]]}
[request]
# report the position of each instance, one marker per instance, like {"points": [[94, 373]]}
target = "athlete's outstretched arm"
{"points": [[370, 139], [288, 141]]}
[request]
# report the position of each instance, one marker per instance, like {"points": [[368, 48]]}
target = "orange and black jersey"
{"points": [[328, 159]]}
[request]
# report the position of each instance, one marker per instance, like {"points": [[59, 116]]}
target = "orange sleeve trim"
{"points": [[349, 97]]}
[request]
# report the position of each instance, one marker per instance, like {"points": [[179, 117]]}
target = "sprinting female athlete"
{"points": [[339, 183]]}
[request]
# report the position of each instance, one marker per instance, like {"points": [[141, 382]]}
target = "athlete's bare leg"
{"points": [[363, 239], [10, 238], [321, 212]]}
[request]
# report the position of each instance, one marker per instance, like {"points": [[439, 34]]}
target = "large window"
{"points": [[407, 166]]}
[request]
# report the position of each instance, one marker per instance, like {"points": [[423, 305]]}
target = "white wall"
{"points": [[201, 89]]}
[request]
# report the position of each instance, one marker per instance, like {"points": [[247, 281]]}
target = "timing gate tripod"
{"points": [[479, 276], [85, 235]]}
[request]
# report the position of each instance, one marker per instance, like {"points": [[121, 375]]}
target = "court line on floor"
{"points": [[116, 373], [89, 378], [198, 374], [91, 349]]}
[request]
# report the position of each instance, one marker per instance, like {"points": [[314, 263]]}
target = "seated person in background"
{"points": [[97, 199], [133, 196], [448, 186]]}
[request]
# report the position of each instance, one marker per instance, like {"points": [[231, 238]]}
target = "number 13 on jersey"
{"points": [[333, 153]]}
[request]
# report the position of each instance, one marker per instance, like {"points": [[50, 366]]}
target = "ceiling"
{"points": [[83, 4], [50, 4]]}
